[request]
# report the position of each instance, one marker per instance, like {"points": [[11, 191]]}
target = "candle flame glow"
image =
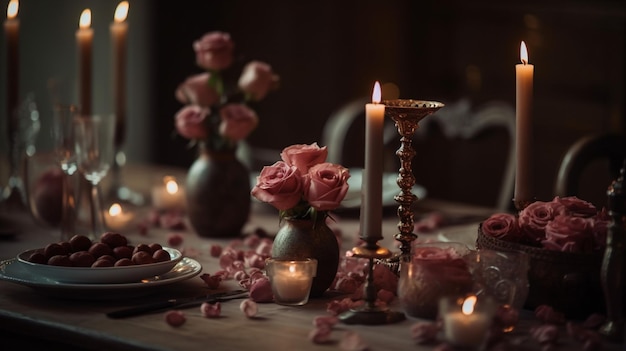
{"points": [[121, 11], [12, 9], [468, 305], [523, 53], [85, 19], [292, 268], [376, 94], [171, 186], [115, 210]]}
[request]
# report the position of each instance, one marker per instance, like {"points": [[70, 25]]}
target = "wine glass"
{"points": [[62, 133], [93, 137]]}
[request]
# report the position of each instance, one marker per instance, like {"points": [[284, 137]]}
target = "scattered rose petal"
{"points": [[241, 275], [215, 250], [424, 332], [549, 315], [352, 341], [347, 285], [545, 334], [174, 239], [261, 290], [320, 335], [211, 310], [212, 281], [249, 308], [143, 229], [252, 241], [325, 321], [175, 318], [172, 221]]}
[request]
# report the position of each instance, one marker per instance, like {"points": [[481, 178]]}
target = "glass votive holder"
{"points": [[291, 280], [467, 320]]}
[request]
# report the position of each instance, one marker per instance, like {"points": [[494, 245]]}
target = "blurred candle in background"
{"points": [[168, 195], [119, 32], [12, 32], [523, 142], [84, 39], [372, 204]]}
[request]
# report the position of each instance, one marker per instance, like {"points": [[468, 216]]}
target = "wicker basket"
{"points": [[569, 282]]}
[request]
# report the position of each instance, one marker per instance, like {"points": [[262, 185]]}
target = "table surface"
{"points": [[29, 317]]}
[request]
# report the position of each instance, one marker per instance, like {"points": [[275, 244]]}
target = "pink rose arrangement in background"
{"points": [[564, 224], [302, 184], [217, 113]]}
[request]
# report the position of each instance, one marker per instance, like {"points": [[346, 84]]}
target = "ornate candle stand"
{"points": [[612, 273], [407, 114]]}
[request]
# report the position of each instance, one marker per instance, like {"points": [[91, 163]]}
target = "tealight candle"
{"points": [[168, 195], [465, 323], [291, 280], [116, 218]]}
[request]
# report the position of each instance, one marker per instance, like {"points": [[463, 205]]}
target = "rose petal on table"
{"points": [[325, 321], [249, 308], [211, 310], [174, 239], [264, 248], [352, 341], [346, 285], [175, 318], [261, 291], [215, 250], [241, 275], [547, 314], [320, 335], [212, 281], [252, 241], [424, 332]]}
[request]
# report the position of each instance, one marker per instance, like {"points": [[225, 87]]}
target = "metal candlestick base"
{"points": [[407, 114], [370, 314]]}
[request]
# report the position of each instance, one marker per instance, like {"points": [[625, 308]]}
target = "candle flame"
{"points": [[523, 53], [376, 93], [115, 210], [12, 9], [171, 186], [292, 268], [85, 19], [121, 11], [468, 305]]}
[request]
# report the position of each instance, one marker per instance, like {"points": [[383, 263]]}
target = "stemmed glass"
{"points": [[62, 133], [93, 136]]}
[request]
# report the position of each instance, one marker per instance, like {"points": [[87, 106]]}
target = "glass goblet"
{"points": [[93, 136]]}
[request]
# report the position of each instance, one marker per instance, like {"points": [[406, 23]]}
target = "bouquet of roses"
{"points": [[214, 112], [302, 185], [563, 224]]}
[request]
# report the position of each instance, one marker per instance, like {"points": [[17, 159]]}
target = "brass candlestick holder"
{"points": [[407, 114]]}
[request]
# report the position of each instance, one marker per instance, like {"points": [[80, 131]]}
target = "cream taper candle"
{"points": [[12, 32], [372, 190], [84, 40], [119, 33], [524, 190]]}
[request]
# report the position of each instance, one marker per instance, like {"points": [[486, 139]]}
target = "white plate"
{"points": [[12, 271], [353, 197], [99, 275]]}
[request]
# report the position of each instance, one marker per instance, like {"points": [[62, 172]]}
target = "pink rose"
{"points": [[190, 122], [237, 121], [214, 51], [195, 90], [257, 79], [576, 207], [573, 234], [534, 218], [502, 226], [304, 156], [326, 185], [279, 185]]}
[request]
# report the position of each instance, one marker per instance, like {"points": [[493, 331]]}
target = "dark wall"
{"points": [[328, 52]]}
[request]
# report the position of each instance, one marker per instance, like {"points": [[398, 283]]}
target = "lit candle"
{"points": [[466, 327], [119, 30], [372, 194], [291, 280], [12, 32], [84, 39], [116, 218], [168, 195], [523, 140]]}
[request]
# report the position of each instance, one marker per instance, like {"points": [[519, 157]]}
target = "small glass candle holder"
{"points": [[467, 320], [168, 194], [291, 280]]}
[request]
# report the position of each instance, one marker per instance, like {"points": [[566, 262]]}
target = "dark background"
{"points": [[329, 52]]}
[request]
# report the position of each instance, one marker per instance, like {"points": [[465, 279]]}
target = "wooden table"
{"points": [[29, 319]]}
